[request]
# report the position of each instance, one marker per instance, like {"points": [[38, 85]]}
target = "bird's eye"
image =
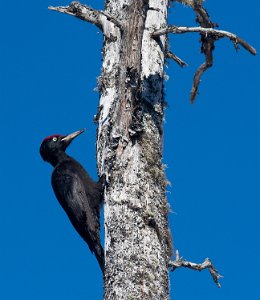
{"points": [[55, 139]]}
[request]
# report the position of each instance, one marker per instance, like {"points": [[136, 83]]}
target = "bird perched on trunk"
{"points": [[76, 192]]}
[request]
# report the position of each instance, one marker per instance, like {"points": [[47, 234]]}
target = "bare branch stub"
{"points": [[80, 11], [178, 60], [86, 13], [179, 262]]}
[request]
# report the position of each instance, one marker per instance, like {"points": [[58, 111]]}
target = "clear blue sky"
{"points": [[49, 66]]}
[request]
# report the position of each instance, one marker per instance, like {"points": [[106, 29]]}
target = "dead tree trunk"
{"points": [[129, 146], [129, 150], [129, 139]]}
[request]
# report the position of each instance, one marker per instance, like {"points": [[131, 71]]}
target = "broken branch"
{"points": [[86, 13], [178, 60], [82, 12], [214, 32], [207, 264]]}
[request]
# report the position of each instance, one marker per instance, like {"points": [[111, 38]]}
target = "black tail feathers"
{"points": [[99, 253]]}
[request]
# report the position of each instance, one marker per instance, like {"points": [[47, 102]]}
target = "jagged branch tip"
{"points": [[178, 60], [88, 14], [179, 262]]}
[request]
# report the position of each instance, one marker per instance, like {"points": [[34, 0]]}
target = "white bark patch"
{"points": [[152, 56], [106, 102]]}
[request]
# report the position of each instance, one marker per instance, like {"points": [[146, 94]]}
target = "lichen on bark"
{"points": [[129, 150]]}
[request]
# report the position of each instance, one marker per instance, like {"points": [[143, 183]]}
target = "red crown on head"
{"points": [[50, 137]]}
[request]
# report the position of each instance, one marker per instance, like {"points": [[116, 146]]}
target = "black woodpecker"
{"points": [[76, 192]]}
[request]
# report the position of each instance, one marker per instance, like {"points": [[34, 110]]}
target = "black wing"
{"points": [[72, 196]]}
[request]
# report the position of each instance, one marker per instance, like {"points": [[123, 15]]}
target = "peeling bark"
{"points": [[129, 150]]}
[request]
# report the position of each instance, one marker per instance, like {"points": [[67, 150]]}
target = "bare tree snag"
{"points": [[138, 244], [129, 147]]}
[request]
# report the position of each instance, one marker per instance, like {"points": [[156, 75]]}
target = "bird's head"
{"points": [[54, 144]]}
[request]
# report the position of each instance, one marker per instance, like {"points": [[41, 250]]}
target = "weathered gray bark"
{"points": [[129, 150]]}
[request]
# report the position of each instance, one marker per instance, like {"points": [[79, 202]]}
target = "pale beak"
{"points": [[68, 138]]}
